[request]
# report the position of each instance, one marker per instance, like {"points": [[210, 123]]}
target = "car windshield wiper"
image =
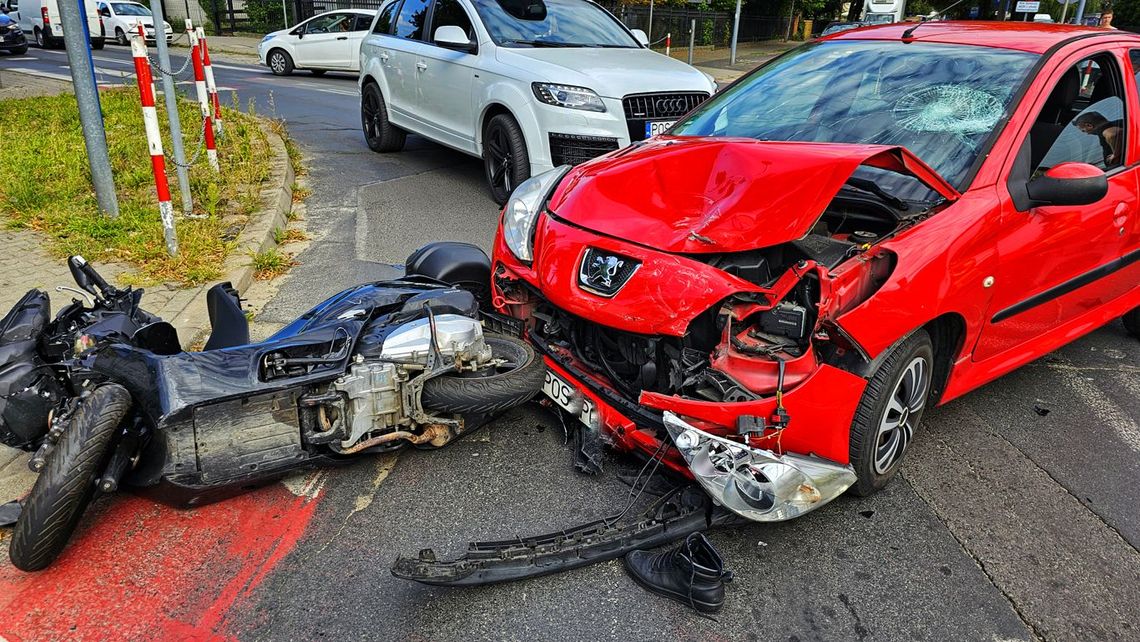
{"points": [[543, 43], [871, 187]]}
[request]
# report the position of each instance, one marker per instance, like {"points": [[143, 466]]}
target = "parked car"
{"points": [[526, 86], [40, 18], [12, 37], [770, 297], [327, 42], [837, 27], [122, 20]]}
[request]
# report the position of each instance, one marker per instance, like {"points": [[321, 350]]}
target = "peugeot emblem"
{"points": [[603, 273]]}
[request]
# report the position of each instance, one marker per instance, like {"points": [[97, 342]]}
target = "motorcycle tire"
{"points": [[67, 483], [508, 386]]}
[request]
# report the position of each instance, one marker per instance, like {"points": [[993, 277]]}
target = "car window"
{"points": [[451, 13], [386, 19], [331, 23], [129, 9], [552, 23], [362, 23], [1082, 119], [411, 19]]}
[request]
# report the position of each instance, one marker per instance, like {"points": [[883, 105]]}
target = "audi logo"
{"points": [[670, 105]]}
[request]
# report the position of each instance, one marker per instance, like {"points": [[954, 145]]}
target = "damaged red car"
{"points": [[770, 296]]}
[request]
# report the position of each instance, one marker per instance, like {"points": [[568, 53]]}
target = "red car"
{"points": [[770, 296]]}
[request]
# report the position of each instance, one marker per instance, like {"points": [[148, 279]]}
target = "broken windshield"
{"points": [[942, 102]]}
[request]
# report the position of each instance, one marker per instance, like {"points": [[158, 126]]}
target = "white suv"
{"points": [[528, 85]]}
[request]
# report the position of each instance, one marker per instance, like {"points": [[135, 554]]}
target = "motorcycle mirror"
{"points": [[75, 266]]}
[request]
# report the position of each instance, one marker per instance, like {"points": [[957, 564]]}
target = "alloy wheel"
{"points": [[502, 161], [40, 39], [121, 37], [277, 63], [899, 420], [371, 107]]}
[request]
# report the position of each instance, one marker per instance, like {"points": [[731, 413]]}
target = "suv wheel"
{"points": [[889, 413], [505, 158], [382, 136]]}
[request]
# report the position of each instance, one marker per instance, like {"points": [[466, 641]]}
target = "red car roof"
{"points": [[1024, 36]]}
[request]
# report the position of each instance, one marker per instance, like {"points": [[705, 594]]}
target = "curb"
{"points": [[193, 321]]}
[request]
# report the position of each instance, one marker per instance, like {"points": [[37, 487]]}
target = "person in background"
{"points": [[1110, 133], [1106, 20]]}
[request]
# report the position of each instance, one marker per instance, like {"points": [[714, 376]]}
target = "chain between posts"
{"points": [[197, 152]]}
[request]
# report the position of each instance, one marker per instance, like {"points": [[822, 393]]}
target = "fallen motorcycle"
{"points": [[105, 396]]}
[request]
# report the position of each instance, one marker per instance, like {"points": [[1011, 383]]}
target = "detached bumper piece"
{"points": [[754, 483], [671, 518]]}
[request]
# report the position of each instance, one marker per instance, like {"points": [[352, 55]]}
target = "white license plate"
{"points": [[568, 398], [659, 127]]}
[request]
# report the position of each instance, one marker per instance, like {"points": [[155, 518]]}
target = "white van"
{"points": [[41, 24]]}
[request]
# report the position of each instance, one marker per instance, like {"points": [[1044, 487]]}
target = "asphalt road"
{"points": [[1015, 517]]}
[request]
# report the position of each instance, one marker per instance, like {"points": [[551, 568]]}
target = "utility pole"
{"points": [[90, 113], [735, 31], [170, 95], [1081, 12]]}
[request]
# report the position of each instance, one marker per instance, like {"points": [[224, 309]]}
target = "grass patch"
{"points": [[48, 185], [289, 235], [270, 264]]}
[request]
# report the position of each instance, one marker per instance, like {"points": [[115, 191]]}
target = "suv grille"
{"points": [[572, 149], [643, 108]]}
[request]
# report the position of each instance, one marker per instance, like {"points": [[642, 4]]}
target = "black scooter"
{"points": [[105, 396]]}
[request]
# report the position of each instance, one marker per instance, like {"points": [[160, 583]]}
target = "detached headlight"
{"points": [[754, 483], [568, 96], [523, 208]]}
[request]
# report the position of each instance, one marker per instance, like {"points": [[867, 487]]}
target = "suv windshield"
{"points": [[941, 102], [552, 23], [130, 9]]}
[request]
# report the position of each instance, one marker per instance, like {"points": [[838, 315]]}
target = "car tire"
{"points": [[506, 162], [889, 413], [492, 392], [381, 135], [318, 72], [121, 37], [19, 51], [1132, 322], [67, 483], [38, 35], [97, 43], [279, 62]]}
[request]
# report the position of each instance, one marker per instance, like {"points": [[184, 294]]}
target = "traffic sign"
{"points": [[1025, 6]]}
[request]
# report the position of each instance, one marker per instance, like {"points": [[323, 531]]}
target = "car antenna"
{"points": [[908, 35]]}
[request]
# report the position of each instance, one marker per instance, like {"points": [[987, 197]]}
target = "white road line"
{"points": [[117, 61], [342, 92], [254, 70], [41, 74], [19, 59]]}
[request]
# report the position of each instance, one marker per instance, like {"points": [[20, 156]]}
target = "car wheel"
{"points": [[382, 136], [39, 36], [1132, 322], [97, 43], [121, 37], [890, 412], [280, 63], [505, 158], [317, 72]]}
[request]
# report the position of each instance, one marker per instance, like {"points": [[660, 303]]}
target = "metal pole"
{"points": [[735, 31], [791, 16], [170, 95], [285, 15], [90, 113], [692, 35], [1081, 12], [649, 29], [1064, 10]]}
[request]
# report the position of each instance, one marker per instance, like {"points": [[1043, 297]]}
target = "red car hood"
{"points": [[698, 195]]}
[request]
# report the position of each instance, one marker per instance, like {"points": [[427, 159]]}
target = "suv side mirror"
{"points": [[1068, 184], [640, 36], [453, 37]]}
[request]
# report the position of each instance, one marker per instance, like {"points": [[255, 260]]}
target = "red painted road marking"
{"points": [[143, 571]]}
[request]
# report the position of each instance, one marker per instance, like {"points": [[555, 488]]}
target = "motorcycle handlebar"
{"points": [[85, 275]]}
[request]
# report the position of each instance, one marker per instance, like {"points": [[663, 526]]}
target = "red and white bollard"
{"points": [[154, 142], [668, 42], [211, 87], [203, 98]]}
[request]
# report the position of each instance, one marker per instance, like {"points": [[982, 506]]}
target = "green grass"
{"points": [[48, 187], [270, 264]]}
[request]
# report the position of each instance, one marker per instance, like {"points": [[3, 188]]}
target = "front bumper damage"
{"points": [[754, 483]]}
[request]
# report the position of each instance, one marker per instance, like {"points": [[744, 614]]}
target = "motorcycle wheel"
{"points": [[67, 483], [491, 392]]}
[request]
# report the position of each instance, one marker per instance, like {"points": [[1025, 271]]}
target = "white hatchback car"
{"points": [[326, 42], [528, 85], [121, 21]]}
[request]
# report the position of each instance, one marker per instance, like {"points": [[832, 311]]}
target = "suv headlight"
{"points": [[523, 208], [568, 96]]}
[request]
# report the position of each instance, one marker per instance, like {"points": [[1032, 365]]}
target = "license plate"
{"points": [[659, 127], [568, 398]]}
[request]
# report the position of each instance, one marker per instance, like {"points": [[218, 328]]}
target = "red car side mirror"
{"points": [[1068, 184]]}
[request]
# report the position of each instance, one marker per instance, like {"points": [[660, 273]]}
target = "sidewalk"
{"points": [[234, 48]]}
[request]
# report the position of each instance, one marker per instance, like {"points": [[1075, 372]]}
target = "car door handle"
{"points": [[1120, 215], [342, 37], [421, 65], [384, 57]]}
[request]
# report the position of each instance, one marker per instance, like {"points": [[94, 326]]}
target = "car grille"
{"points": [[643, 108], [572, 149]]}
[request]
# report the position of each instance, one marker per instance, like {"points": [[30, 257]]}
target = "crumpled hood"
{"points": [[612, 73], [705, 195]]}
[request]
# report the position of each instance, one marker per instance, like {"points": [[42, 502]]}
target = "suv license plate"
{"points": [[659, 127], [567, 397]]}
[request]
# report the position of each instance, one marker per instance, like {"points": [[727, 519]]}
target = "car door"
{"points": [[360, 26], [411, 23], [1058, 262], [324, 43], [446, 77]]}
